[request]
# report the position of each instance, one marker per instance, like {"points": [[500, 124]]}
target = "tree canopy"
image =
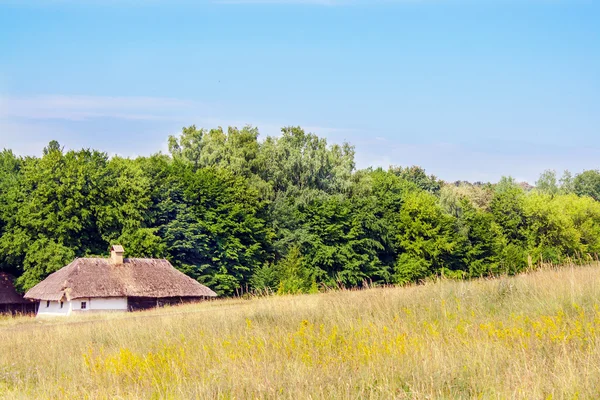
{"points": [[287, 214]]}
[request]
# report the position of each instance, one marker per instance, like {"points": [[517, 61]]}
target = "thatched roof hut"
{"points": [[10, 300], [8, 294], [100, 277]]}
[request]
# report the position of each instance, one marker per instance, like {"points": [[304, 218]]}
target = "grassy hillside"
{"points": [[532, 336]]}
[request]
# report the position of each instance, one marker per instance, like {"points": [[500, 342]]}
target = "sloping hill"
{"points": [[531, 336]]}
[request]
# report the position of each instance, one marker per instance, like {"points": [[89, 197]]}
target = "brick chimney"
{"points": [[116, 254]]}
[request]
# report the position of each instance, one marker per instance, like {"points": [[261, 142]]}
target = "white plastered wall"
{"points": [[101, 304], [53, 308]]}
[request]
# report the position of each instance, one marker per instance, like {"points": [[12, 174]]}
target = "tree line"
{"points": [[289, 214]]}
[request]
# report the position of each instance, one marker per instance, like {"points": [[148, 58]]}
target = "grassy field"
{"points": [[533, 336]]}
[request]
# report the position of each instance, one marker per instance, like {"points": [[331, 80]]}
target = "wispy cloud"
{"points": [[121, 125], [133, 126], [85, 108], [78, 108]]}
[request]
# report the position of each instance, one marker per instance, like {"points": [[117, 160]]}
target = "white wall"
{"points": [[53, 308], [74, 306], [101, 304]]}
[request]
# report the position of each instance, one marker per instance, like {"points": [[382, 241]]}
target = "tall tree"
{"points": [[418, 176], [305, 161], [587, 183], [547, 183], [507, 207], [426, 240], [51, 216], [567, 185], [217, 233]]}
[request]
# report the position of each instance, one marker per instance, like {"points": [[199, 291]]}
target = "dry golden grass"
{"points": [[534, 336]]}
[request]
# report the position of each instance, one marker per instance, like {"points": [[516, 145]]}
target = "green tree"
{"points": [[125, 200], [550, 233], [483, 240], [547, 183], [51, 212], [508, 210], [587, 183], [507, 207], [584, 212], [303, 160], [188, 146], [216, 232], [567, 185], [418, 176], [53, 146], [43, 257], [426, 240], [295, 277], [10, 176], [340, 237]]}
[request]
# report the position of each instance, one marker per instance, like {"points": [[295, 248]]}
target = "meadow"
{"points": [[532, 336]]}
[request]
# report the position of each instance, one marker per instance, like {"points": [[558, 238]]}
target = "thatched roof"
{"points": [[8, 294], [99, 277]]}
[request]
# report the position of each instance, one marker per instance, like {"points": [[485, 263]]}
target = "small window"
{"points": [[47, 303], [83, 305], [61, 304]]}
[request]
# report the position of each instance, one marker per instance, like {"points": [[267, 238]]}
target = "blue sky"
{"points": [[467, 89]]}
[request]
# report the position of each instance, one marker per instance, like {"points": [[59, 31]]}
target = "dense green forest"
{"points": [[288, 213]]}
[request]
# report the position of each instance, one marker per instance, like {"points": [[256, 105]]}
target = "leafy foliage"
{"points": [[287, 214], [588, 184]]}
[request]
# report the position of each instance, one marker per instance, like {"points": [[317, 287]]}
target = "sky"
{"points": [[467, 89]]}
